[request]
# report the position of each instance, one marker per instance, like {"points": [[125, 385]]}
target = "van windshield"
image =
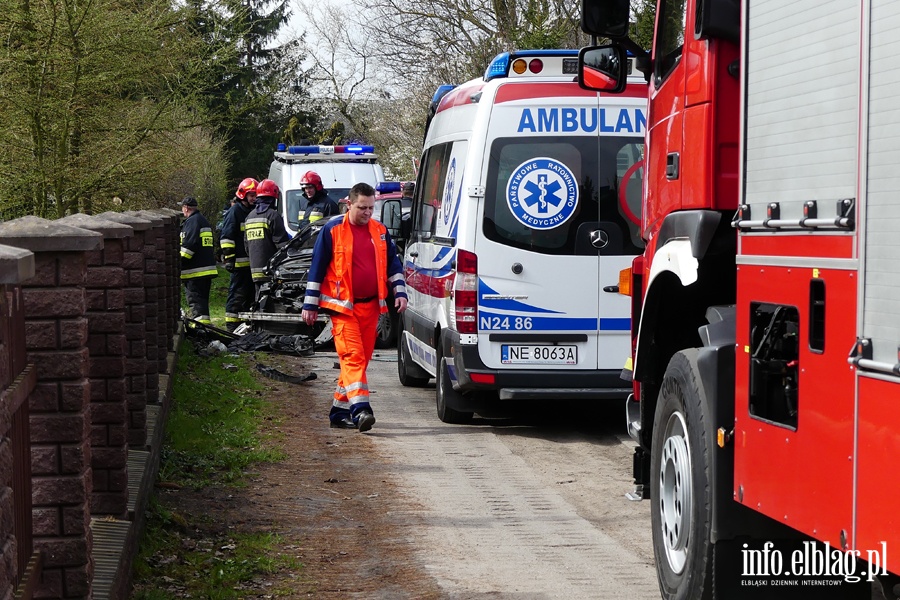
{"points": [[295, 203], [540, 192]]}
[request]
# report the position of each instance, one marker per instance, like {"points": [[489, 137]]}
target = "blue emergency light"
{"points": [[499, 67], [388, 187], [357, 149]]}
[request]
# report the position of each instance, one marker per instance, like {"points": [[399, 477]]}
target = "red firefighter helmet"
{"points": [[268, 188], [247, 185], [312, 178]]}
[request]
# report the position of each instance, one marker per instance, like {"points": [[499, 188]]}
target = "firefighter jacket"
{"points": [[329, 284], [264, 233], [231, 237], [198, 258], [320, 206]]}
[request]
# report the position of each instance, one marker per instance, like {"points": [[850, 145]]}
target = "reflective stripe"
{"points": [[186, 253], [312, 285], [329, 300], [311, 300], [226, 243], [242, 264], [359, 385], [199, 272]]}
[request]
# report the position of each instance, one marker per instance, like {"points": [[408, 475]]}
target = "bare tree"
{"points": [[88, 92]]}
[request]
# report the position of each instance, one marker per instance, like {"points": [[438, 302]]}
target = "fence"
{"points": [[88, 325]]}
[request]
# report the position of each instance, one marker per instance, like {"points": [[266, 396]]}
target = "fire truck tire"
{"points": [[409, 373], [681, 498], [443, 392]]}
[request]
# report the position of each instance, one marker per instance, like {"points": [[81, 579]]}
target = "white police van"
{"points": [[340, 167], [527, 206]]}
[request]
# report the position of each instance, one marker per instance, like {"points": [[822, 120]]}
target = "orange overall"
{"points": [[354, 319], [354, 341]]}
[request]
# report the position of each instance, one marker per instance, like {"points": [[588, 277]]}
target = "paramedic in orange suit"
{"points": [[354, 266]]}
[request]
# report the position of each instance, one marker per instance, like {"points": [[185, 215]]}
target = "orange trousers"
{"points": [[354, 341]]}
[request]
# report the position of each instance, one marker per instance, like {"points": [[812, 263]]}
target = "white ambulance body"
{"points": [[527, 205], [340, 167]]}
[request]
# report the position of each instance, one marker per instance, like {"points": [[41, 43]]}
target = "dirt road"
{"points": [[530, 507]]}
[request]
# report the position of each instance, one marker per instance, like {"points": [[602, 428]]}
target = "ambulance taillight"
{"points": [[465, 292]]}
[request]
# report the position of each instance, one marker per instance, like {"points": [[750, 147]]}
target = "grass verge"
{"points": [[213, 436]]}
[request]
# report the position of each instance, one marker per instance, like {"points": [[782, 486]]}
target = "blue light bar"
{"points": [[388, 187], [281, 148], [440, 93], [356, 149], [499, 67]]}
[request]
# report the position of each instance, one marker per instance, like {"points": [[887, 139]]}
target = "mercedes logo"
{"points": [[599, 239]]}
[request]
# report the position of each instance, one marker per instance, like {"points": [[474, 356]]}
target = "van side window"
{"points": [[430, 189]]}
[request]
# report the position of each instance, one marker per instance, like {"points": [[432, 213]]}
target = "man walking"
{"points": [[234, 254], [198, 260], [354, 263]]}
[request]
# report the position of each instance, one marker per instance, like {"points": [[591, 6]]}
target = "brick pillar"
{"points": [[155, 289], [136, 366], [56, 334], [16, 265], [105, 294], [173, 271]]}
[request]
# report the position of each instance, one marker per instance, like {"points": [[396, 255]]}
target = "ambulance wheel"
{"points": [[680, 478], [443, 392], [410, 374]]}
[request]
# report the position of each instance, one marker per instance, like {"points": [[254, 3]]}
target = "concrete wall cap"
{"points": [[40, 235], [171, 216], [157, 219], [109, 229], [16, 264], [136, 222]]}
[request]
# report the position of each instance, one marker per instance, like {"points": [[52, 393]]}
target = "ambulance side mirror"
{"points": [[603, 68], [391, 215]]}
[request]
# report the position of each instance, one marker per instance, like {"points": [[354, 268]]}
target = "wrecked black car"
{"points": [[279, 303]]}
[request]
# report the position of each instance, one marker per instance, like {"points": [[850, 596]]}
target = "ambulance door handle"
{"points": [[414, 254], [672, 165]]}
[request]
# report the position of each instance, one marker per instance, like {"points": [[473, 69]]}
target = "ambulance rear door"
{"points": [[560, 219]]}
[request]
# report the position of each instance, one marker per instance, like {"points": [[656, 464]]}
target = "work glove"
{"points": [[229, 265]]}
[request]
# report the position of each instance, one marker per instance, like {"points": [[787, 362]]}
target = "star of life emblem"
{"points": [[542, 193]]}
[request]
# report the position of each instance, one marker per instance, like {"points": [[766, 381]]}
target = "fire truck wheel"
{"points": [[410, 374], [444, 391], [680, 492]]}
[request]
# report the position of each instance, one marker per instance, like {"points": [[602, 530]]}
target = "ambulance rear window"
{"points": [[548, 195]]}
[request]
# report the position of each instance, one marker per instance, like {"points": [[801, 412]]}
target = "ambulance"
{"points": [[340, 167], [527, 207]]}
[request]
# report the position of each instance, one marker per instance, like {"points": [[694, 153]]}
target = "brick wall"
{"points": [[105, 298], [56, 330], [101, 304], [16, 265]]}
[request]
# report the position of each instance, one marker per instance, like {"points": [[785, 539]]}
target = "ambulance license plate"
{"points": [[563, 354]]}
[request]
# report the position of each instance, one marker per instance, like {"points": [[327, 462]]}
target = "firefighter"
{"points": [[264, 231], [320, 204], [234, 253], [354, 262], [198, 260]]}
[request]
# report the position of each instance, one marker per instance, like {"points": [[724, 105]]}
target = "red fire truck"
{"points": [[766, 305]]}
